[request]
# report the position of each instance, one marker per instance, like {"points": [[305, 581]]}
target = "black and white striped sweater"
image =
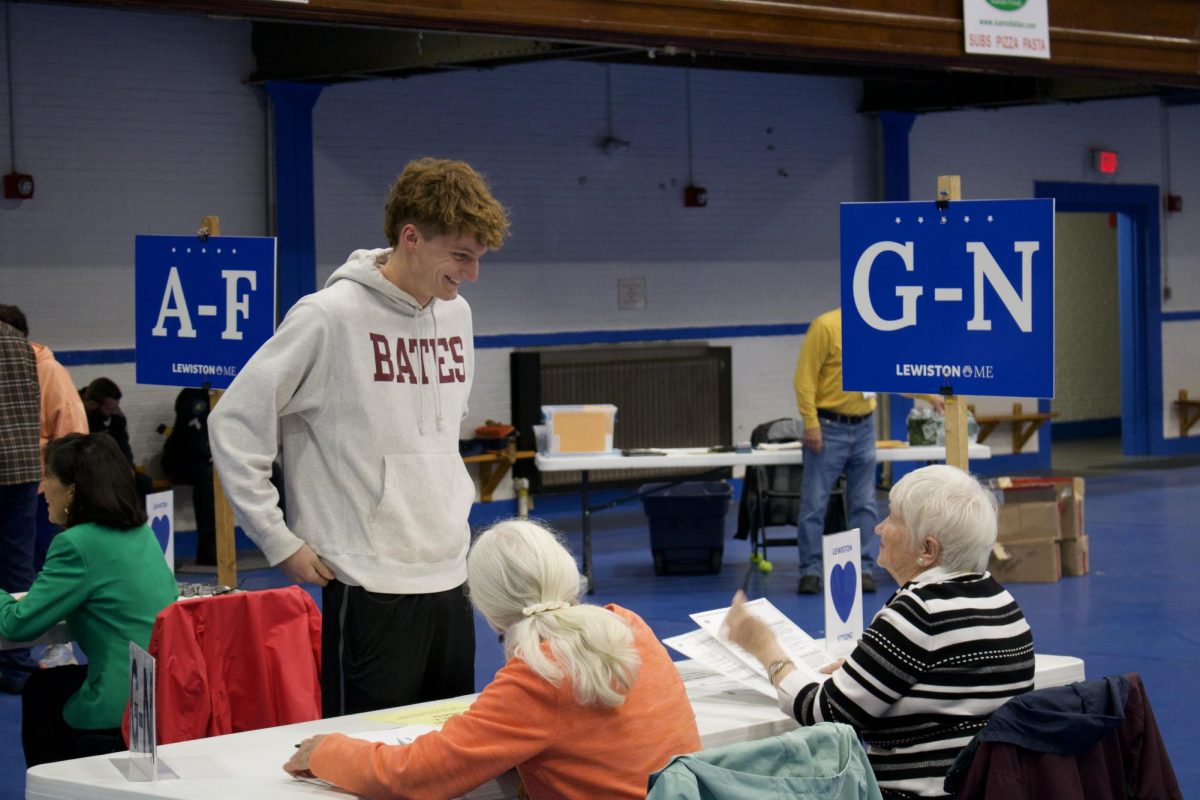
{"points": [[946, 651]]}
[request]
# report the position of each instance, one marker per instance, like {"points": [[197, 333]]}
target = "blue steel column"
{"points": [[292, 132], [897, 125]]}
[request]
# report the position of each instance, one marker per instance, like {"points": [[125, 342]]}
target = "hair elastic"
{"points": [[538, 608]]}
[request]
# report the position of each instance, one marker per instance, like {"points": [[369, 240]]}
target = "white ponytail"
{"points": [[525, 582]]}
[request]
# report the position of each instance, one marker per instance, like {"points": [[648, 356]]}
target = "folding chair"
{"points": [[771, 494], [822, 760], [1096, 739], [236, 662]]}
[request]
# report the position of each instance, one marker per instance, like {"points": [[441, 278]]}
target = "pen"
{"points": [[746, 578]]}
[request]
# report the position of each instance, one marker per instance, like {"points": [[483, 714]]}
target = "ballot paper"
{"points": [[433, 715], [770, 447], [701, 681], [406, 734], [699, 645], [711, 647]]}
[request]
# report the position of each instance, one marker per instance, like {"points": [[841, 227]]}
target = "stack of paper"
{"points": [[711, 647]]}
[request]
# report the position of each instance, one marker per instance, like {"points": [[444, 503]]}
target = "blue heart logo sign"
{"points": [[843, 588], [162, 531]]}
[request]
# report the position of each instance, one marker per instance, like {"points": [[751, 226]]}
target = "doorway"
{"points": [[1087, 349], [1137, 236]]}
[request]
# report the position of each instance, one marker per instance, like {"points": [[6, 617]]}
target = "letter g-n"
{"points": [[907, 294]]}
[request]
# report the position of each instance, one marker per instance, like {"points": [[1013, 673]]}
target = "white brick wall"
{"points": [[1181, 261], [137, 122], [130, 123], [1001, 153], [776, 154], [1181, 364], [1181, 233]]}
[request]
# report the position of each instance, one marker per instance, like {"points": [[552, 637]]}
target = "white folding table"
{"points": [[701, 458], [248, 766]]}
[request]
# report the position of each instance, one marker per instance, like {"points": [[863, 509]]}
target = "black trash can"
{"points": [[687, 526]]}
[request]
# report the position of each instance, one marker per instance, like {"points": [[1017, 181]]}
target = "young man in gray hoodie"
{"points": [[365, 383]]}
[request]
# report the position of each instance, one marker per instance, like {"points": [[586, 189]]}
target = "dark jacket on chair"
{"points": [[1091, 740]]}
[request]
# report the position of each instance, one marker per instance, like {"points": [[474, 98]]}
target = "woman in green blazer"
{"points": [[106, 576]]}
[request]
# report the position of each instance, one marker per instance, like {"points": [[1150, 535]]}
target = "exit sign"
{"points": [[1105, 161]]}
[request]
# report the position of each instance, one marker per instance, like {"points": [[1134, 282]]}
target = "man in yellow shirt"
{"points": [[839, 438]]}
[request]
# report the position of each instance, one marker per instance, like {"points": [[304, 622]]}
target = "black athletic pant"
{"points": [[45, 735], [385, 650]]}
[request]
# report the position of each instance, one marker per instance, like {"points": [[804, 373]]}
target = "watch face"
{"points": [[25, 185]]}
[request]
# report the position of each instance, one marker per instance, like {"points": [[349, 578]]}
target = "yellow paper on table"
{"points": [[425, 715]]}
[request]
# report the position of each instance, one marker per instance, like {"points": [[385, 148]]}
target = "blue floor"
{"points": [[1132, 613]]}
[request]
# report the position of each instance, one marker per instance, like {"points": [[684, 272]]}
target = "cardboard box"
{"points": [[1037, 561], [1075, 555], [1029, 515], [580, 429], [1069, 492]]}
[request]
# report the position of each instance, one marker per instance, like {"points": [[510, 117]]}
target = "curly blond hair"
{"points": [[442, 197]]}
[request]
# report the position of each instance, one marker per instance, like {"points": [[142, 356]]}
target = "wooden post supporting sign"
{"points": [[223, 513], [949, 189]]}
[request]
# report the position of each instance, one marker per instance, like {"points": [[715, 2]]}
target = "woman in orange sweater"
{"points": [[588, 705]]}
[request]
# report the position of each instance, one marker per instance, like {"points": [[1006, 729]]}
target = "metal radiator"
{"points": [[666, 396]]}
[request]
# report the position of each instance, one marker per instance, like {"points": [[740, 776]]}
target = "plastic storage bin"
{"points": [[586, 429], [687, 526]]}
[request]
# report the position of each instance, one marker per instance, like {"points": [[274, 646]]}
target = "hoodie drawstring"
{"points": [[437, 383], [437, 389], [420, 379]]}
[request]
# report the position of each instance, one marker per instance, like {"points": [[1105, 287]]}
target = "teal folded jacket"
{"points": [[819, 762], [108, 585]]}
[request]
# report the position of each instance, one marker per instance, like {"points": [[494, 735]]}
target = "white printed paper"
{"points": [[143, 744], [802, 649], [160, 516], [699, 645], [842, 557], [403, 735]]}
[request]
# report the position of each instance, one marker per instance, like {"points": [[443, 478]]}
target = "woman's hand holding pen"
{"points": [[752, 634], [297, 765]]}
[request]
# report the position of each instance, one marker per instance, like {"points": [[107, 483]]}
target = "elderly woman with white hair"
{"points": [[588, 704], [945, 651]]}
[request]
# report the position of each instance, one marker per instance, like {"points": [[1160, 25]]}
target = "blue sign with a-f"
{"points": [[202, 307], [960, 297]]}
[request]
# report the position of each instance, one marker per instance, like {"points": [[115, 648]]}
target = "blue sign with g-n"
{"points": [[960, 297], [202, 307]]}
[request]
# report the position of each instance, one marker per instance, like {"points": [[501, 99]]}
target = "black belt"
{"points": [[845, 419]]}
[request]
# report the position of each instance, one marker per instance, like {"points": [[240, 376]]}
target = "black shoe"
{"points": [[809, 584], [868, 583]]}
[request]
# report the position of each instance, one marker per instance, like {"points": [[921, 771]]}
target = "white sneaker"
{"points": [[57, 655]]}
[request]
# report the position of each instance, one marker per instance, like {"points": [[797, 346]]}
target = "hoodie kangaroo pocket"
{"points": [[422, 516]]}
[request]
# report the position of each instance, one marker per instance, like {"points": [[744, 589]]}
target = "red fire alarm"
{"points": [[1105, 161], [18, 186], [695, 197]]}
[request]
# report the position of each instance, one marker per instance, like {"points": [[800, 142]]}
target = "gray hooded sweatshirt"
{"points": [[365, 389]]}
